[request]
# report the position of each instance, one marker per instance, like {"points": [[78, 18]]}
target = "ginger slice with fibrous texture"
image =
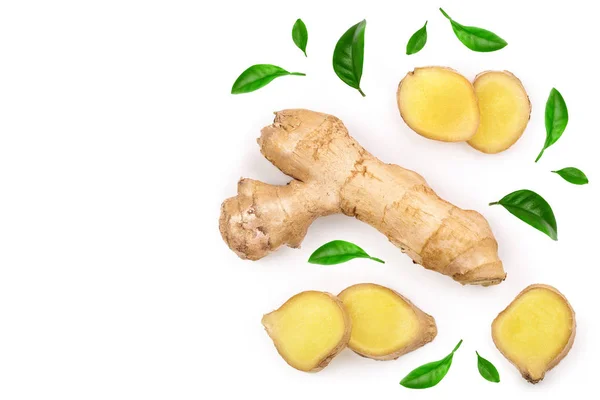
{"points": [[309, 329], [536, 331], [385, 325], [334, 174], [504, 109], [439, 103]]}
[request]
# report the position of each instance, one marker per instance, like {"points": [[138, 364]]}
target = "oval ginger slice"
{"points": [[504, 109], [536, 331], [385, 325], [309, 329], [439, 103]]}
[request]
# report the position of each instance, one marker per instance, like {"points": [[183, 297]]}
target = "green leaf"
{"points": [[531, 208], [487, 369], [258, 76], [430, 374], [337, 252], [300, 35], [417, 40], [557, 118], [427, 375], [476, 39], [348, 56], [573, 175]]}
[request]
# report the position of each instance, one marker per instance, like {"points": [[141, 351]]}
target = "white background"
{"points": [[119, 140]]}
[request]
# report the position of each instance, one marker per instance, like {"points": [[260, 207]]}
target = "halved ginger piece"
{"points": [[439, 103], [385, 325], [536, 331], [309, 329], [504, 111]]}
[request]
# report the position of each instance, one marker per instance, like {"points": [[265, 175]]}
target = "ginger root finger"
{"points": [[263, 217], [536, 331], [385, 325], [334, 174], [439, 103], [309, 330], [504, 109]]}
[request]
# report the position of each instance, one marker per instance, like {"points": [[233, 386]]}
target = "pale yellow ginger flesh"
{"points": [[385, 325], [334, 174], [536, 331], [309, 330], [504, 110], [439, 103]]}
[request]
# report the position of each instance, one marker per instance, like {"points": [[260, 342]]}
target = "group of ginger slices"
{"points": [[489, 114], [534, 332]]}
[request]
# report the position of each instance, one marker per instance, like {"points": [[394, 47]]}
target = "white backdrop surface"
{"points": [[119, 140]]}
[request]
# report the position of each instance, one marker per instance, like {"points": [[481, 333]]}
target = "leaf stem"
{"points": [[457, 346], [361, 92], [445, 15], [377, 259], [540, 155], [493, 203], [298, 73]]}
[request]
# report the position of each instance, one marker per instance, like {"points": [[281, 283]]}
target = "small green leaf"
{"points": [[557, 118], [348, 56], [300, 35], [430, 374], [573, 175], [427, 375], [417, 40], [476, 39], [258, 76], [337, 252], [487, 369], [531, 208]]}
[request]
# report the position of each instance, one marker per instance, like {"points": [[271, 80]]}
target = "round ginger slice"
{"points": [[504, 111], [309, 329], [385, 325], [536, 331], [439, 103]]}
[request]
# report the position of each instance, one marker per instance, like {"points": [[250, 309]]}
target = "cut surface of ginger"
{"points": [[439, 103], [535, 331], [385, 325], [309, 329], [504, 110]]}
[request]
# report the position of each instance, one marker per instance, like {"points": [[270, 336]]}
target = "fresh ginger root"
{"points": [[439, 103], [385, 325], [334, 174], [309, 329], [536, 331], [504, 109]]}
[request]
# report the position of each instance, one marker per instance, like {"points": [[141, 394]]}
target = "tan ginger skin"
{"points": [[334, 174]]}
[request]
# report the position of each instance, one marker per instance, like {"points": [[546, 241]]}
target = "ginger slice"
{"points": [[309, 329], [536, 331], [439, 103], [504, 111], [385, 325]]}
